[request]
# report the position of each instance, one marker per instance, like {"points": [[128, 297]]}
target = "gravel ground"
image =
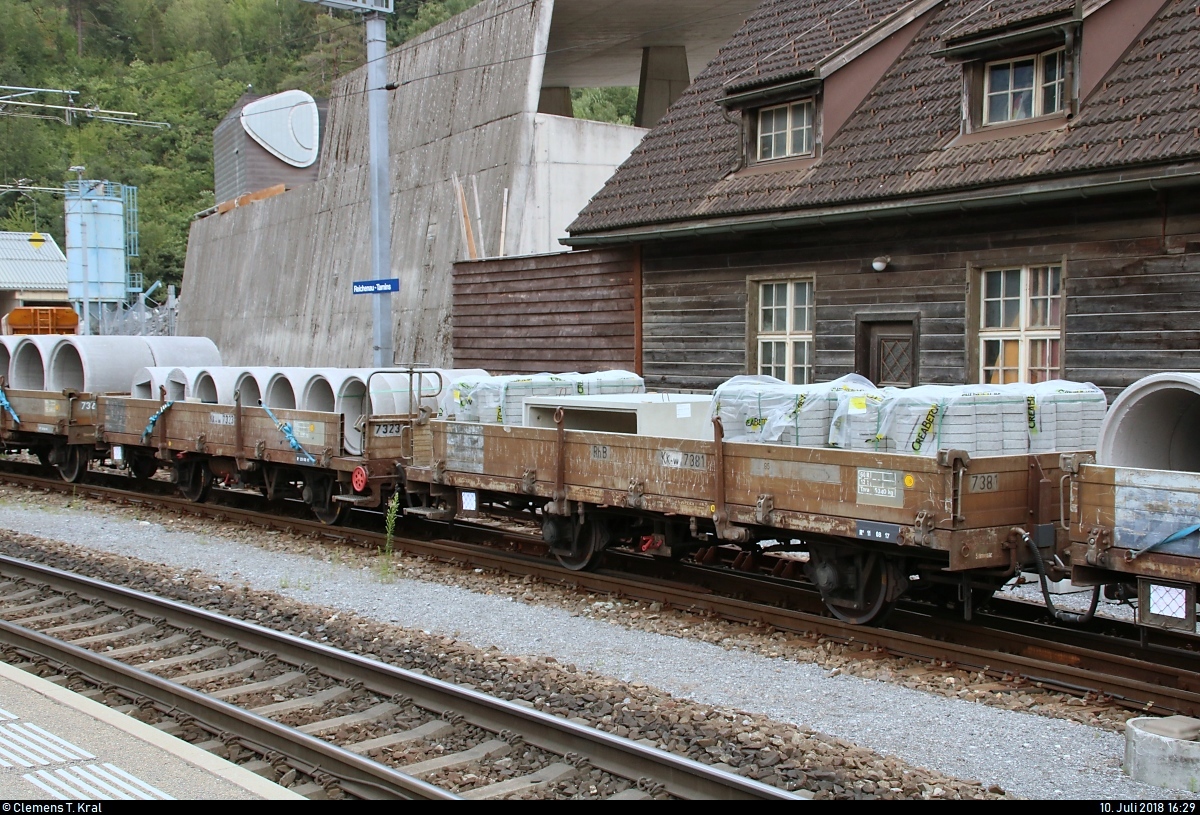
{"points": [[784, 678]]}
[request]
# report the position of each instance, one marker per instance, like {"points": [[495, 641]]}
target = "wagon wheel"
{"points": [[194, 480], [588, 542], [327, 510], [143, 466], [74, 464], [875, 589]]}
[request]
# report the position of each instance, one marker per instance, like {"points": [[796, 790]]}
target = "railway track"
{"points": [[351, 726], [1108, 658]]}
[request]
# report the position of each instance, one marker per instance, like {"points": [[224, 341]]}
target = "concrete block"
{"points": [[1162, 761]]}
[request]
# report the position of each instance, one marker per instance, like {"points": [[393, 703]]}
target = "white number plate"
{"points": [[600, 452], [680, 460], [221, 419], [389, 429]]}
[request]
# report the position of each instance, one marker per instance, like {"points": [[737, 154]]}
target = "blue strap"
{"points": [[154, 420], [4, 404], [286, 429], [1174, 536]]}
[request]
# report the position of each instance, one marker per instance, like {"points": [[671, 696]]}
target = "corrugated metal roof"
{"points": [[24, 268]]}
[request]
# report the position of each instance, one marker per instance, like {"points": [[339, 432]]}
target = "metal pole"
{"points": [[87, 306], [381, 208]]}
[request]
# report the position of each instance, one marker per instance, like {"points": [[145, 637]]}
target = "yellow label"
{"points": [[858, 402], [908, 480], [712, 508]]}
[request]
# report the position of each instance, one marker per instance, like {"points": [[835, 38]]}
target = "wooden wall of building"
{"points": [[564, 312], [1132, 299]]}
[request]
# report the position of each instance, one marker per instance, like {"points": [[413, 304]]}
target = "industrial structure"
{"points": [[33, 271], [485, 162]]}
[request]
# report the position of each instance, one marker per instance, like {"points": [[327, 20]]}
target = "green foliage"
{"points": [[389, 529], [617, 105], [185, 62]]}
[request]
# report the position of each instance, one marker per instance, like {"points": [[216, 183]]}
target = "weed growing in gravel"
{"points": [[386, 569]]}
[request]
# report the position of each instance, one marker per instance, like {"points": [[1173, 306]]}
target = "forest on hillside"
{"points": [[185, 63]]}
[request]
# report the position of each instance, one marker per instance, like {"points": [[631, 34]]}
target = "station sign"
{"points": [[391, 284]]}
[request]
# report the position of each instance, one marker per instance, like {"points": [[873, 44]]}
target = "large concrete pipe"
{"points": [[184, 352], [8, 344], [1154, 425], [252, 384], [286, 386], [400, 393], [147, 381], [216, 386], [344, 391], [97, 364], [181, 382], [31, 359]]}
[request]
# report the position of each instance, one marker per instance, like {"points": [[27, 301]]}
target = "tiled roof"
{"points": [[897, 144], [1000, 15], [24, 268]]}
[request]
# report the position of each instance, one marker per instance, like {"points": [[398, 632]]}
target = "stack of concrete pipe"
{"points": [[97, 364], [325, 390], [1154, 425]]}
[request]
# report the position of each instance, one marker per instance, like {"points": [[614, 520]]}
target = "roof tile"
{"points": [[898, 143]]}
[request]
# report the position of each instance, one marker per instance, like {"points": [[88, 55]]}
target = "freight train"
{"points": [[865, 516]]}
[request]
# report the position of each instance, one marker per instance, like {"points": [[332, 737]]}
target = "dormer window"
{"points": [[785, 130], [1024, 88]]}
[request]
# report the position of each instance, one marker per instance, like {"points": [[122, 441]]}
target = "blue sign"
{"points": [[377, 286]]}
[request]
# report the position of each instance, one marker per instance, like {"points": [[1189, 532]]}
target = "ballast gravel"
{"points": [[1008, 752]]}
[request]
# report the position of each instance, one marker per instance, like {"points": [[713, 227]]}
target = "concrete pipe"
{"points": [[147, 381], [390, 393], [216, 386], [8, 344], [286, 386], [252, 384], [344, 391], [1153, 425], [97, 364], [31, 360], [184, 352], [181, 382]]}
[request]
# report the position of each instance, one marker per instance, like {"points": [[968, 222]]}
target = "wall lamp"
{"points": [[880, 263]]}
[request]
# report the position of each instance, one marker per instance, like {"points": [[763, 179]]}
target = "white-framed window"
{"points": [[1024, 87], [785, 330], [1020, 325], [785, 130]]}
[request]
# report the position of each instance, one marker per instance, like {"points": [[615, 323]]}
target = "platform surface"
{"points": [[58, 745]]}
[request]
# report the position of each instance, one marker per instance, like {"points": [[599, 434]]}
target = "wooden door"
{"points": [[892, 353]]}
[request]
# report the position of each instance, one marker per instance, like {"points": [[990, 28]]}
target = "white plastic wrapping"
{"points": [[769, 410], [501, 399]]}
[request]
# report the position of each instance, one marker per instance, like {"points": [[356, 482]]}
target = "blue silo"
{"points": [[97, 248]]}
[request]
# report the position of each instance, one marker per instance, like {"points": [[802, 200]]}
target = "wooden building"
{"points": [[923, 191]]}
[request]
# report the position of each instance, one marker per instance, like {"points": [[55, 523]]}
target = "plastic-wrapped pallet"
{"points": [[746, 405], [458, 398], [605, 382], [978, 419], [1064, 416], [501, 399], [855, 424], [806, 423]]}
